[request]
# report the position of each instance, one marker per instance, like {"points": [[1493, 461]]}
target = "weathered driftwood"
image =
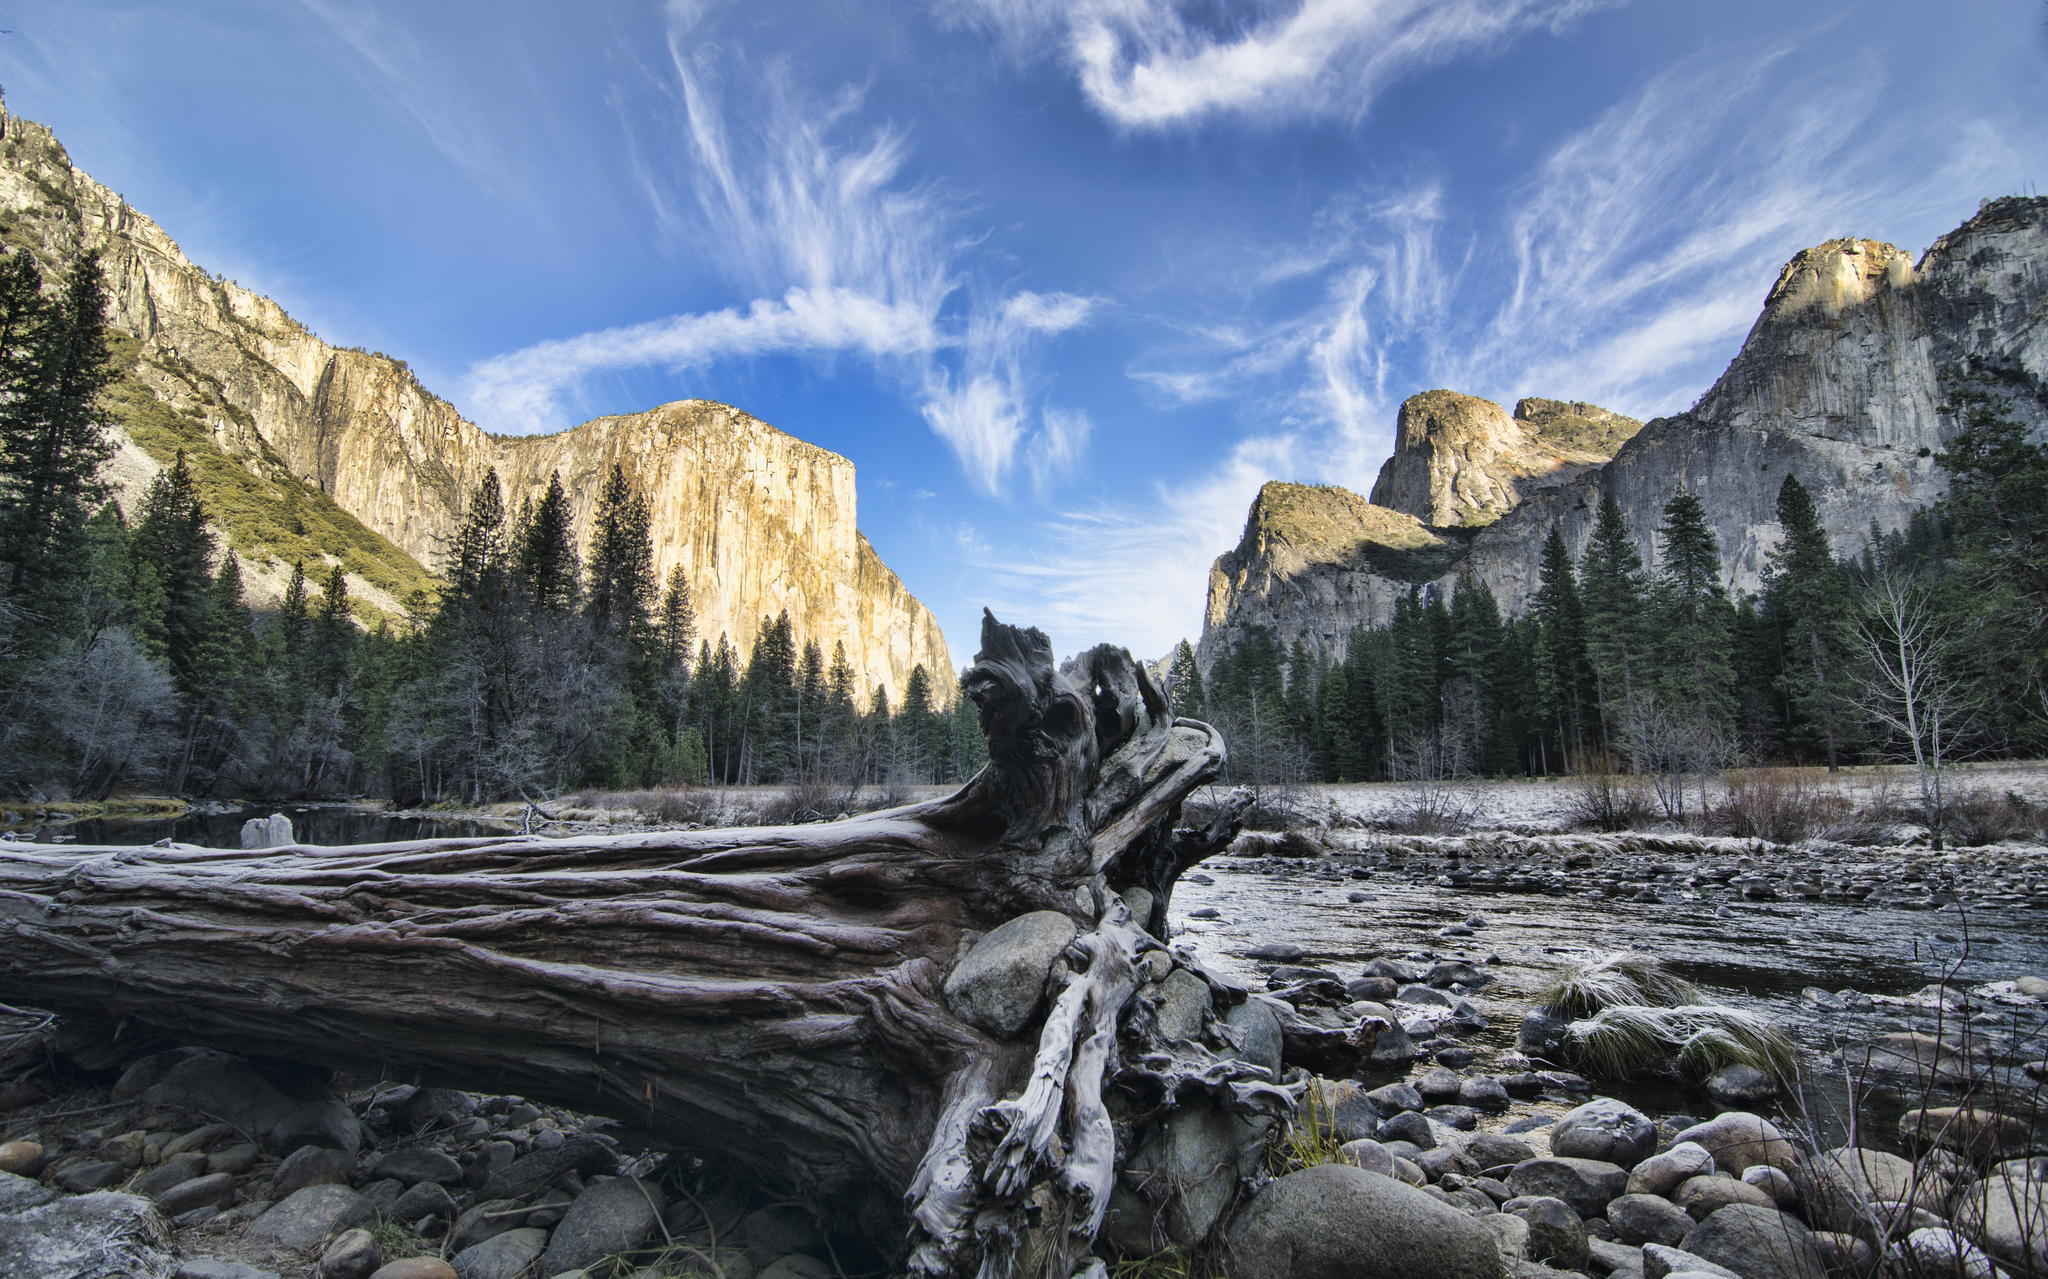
{"points": [[770, 994]]}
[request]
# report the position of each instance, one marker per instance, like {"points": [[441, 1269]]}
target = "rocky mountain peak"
{"points": [[338, 456], [1460, 461]]}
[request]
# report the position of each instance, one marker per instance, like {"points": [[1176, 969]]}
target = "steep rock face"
{"points": [[1839, 382], [760, 520], [1314, 560], [1460, 461]]}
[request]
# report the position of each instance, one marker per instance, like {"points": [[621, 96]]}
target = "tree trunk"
{"points": [[771, 995]]}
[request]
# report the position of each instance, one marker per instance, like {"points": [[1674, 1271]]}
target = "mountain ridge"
{"points": [[281, 424], [1839, 381]]}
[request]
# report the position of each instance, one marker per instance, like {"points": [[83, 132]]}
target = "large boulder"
{"points": [[305, 1218], [1335, 1222], [1839, 1187], [1739, 1140], [220, 1086], [611, 1216], [507, 1256], [1606, 1129], [1663, 1172], [1757, 1242], [999, 984], [2008, 1217], [1588, 1185], [98, 1236]]}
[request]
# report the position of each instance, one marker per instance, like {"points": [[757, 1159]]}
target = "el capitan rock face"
{"points": [[1839, 382], [761, 521]]}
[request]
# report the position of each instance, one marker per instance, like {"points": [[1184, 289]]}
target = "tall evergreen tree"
{"points": [[547, 564], [1808, 602], [1695, 674], [174, 541], [1611, 586], [622, 587], [1564, 676], [1184, 684], [53, 356]]}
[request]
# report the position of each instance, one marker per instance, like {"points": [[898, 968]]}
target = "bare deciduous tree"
{"points": [[1910, 689]]}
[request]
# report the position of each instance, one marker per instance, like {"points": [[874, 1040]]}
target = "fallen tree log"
{"points": [[952, 1024]]}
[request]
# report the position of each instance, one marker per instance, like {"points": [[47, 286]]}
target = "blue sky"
{"points": [[1066, 279]]}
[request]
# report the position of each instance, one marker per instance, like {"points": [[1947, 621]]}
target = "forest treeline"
{"points": [[130, 657], [1925, 645]]}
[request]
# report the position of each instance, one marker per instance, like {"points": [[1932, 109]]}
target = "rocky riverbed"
{"points": [[1440, 1137]]}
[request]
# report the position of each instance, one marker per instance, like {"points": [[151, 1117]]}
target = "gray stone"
{"points": [[1661, 1173], [311, 1166], [274, 831], [427, 1199], [507, 1256], [317, 1123], [352, 1254], [1369, 1155], [200, 1138], [1510, 1232], [169, 1173], [1183, 1002], [1660, 1262], [1257, 1028], [1844, 1254], [1640, 1219], [1392, 1099], [486, 1220], [1840, 1185], [214, 1190], [419, 1163], [305, 1218], [797, 1266], [1483, 1093], [1741, 1085], [221, 1086], [89, 1174], [1555, 1231], [1588, 1185], [1739, 1140], [94, 1236], [1773, 1182], [1935, 1250], [1757, 1241], [1277, 953], [611, 1216], [1621, 1261], [1705, 1196], [237, 1159], [1494, 1150], [1334, 1222], [1177, 1183], [2008, 1216], [1605, 1129], [999, 984]]}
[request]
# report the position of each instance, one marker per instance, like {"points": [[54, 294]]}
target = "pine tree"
{"points": [[547, 566], [334, 635], [1611, 586], [1564, 677], [913, 728], [479, 543], [1807, 599], [53, 359], [813, 698], [174, 542], [1695, 676], [1184, 684], [621, 596], [678, 618]]}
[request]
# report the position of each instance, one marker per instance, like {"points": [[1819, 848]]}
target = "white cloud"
{"points": [[795, 205], [1154, 63], [1131, 571]]}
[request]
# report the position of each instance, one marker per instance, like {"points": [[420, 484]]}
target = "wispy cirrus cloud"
{"points": [[1158, 63], [1624, 268], [796, 204]]}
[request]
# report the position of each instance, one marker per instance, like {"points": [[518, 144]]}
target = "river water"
{"points": [[1756, 955]]}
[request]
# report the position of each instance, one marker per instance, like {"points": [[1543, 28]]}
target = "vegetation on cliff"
{"points": [[1925, 644]]}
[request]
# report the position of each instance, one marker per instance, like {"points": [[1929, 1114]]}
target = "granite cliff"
{"points": [[306, 450], [1840, 382]]}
